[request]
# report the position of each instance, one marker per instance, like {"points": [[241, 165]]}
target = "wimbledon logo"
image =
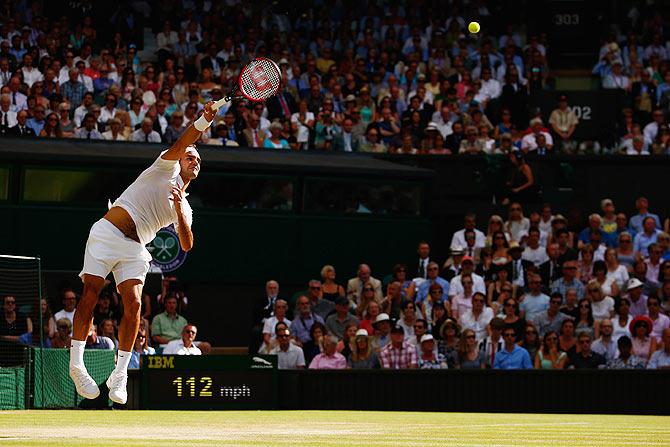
{"points": [[166, 251]]}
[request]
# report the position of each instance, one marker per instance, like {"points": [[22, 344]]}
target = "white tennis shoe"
{"points": [[86, 386], [117, 387]]}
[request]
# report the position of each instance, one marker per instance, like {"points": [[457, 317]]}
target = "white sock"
{"points": [[122, 361], [77, 353]]}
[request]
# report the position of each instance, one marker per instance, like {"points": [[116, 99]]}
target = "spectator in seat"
{"points": [[355, 285], [660, 321], [512, 356], [95, 341], [269, 341], [644, 344], [185, 345], [330, 289], [638, 146], [289, 355], [21, 128], [69, 300], [563, 122], [176, 128], [337, 322], [490, 346], [88, 131], [62, 338], [398, 354], [534, 302], [329, 358], [529, 141], [371, 141], [382, 332], [637, 221], [432, 278], [478, 317], [320, 306], [37, 122], [570, 307], [115, 132], [661, 358], [467, 268], [568, 281], [141, 347], [584, 357], [429, 357], [362, 354], [458, 239], [304, 319], [625, 358], [550, 270], [646, 237], [13, 323], [552, 319], [550, 356], [169, 325], [367, 297], [606, 345], [638, 300], [146, 133], [107, 328], [617, 79]]}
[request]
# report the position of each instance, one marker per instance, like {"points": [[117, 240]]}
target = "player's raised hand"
{"points": [[209, 112], [177, 196]]}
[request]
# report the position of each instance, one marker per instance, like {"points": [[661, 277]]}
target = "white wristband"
{"points": [[201, 124]]}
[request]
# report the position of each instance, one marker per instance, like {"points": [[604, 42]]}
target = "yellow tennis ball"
{"points": [[474, 27]]}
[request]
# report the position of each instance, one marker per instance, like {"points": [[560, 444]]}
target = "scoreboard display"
{"points": [[225, 382]]}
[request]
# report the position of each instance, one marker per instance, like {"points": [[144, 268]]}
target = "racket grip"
{"points": [[220, 103]]}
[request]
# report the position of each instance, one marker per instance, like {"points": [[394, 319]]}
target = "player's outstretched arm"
{"points": [[191, 134]]}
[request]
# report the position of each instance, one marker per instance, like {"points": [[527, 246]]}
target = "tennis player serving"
{"points": [[116, 243]]}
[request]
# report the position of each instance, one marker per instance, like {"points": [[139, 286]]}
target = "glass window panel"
{"points": [[242, 193], [376, 198], [74, 187]]}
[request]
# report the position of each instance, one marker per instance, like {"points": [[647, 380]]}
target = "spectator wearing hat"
{"points": [[362, 354], [625, 358], [329, 358], [644, 344], [398, 354], [382, 332], [584, 357], [429, 357], [337, 322], [638, 300], [477, 317], [661, 358], [512, 356]]}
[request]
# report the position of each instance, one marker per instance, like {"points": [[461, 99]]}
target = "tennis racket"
{"points": [[259, 80]]}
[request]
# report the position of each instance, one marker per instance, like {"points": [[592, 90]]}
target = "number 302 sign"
{"points": [[582, 112]]}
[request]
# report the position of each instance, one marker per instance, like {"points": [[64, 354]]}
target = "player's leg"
{"points": [[83, 318], [131, 294]]}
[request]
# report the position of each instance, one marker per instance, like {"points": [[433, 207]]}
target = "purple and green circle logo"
{"points": [[166, 250]]}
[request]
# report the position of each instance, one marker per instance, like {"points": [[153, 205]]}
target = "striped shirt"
{"points": [[403, 357]]}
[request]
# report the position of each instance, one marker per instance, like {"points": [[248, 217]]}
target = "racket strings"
{"points": [[260, 79]]}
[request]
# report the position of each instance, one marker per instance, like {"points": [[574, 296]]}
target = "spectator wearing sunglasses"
{"points": [[185, 345], [141, 347], [512, 356]]}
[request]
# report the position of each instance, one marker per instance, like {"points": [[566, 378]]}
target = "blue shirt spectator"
{"points": [[422, 292], [643, 240], [512, 356]]}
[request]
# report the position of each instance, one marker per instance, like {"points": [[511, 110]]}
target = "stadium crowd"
{"points": [[401, 77], [525, 293]]}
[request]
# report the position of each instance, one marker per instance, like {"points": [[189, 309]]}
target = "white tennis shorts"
{"points": [[109, 250]]}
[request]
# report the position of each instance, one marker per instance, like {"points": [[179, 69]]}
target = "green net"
{"points": [[20, 323], [53, 386]]}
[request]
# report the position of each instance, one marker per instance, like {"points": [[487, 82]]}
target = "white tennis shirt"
{"points": [[147, 199]]}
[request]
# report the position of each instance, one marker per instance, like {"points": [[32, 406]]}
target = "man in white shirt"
{"points": [[442, 120], [458, 239], [82, 110], [19, 100], [109, 110], [7, 116], [185, 345], [69, 306], [528, 142], [490, 87], [478, 317], [116, 244], [534, 252], [651, 130], [146, 133], [661, 321], [30, 73], [467, 268], [289, 356]]}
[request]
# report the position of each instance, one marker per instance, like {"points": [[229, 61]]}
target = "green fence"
{"points": [[45, 383]]}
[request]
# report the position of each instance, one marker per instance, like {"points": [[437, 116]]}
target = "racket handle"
{"points": [[221, 102]]}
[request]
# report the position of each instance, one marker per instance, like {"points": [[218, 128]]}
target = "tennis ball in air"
{"points": [[474, 27]]}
